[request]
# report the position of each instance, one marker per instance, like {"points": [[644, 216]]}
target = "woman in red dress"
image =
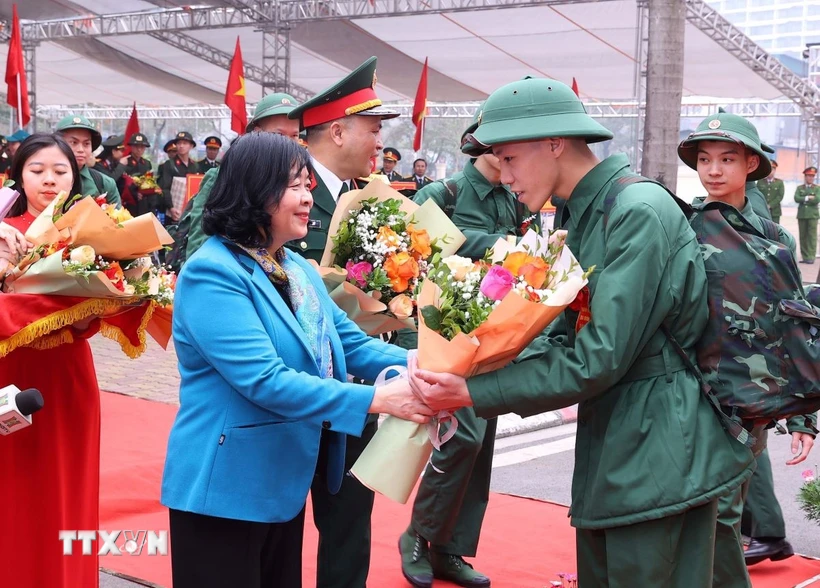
{"points": [[51, 470]]}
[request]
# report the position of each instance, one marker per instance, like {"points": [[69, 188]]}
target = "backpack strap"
{"points": [[98, 180], [733, 426], [770, 229], [623, 182], [450, 196]]}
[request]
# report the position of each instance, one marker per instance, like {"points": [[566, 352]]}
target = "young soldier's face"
{"points": [[723, 167], [531, 176], [138, 150], [80, 142], [184, 147], [211, 152], [388, 165], [809, 179], [280, 124]]}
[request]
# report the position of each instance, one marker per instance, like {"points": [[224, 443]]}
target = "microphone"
{"points": [[17, 407]]}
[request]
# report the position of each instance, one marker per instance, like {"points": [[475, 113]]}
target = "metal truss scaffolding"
{"points": [[276, 61]]}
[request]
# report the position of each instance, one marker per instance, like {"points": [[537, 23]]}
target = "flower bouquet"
{"points": [[475, 317], [383, 242], [809, 496], [146, 184], [96, 256]]}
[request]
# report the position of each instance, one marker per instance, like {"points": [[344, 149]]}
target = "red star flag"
{"points": [[420, 108], [17, 94], [131, 129], [235, 92], [575, 87]]}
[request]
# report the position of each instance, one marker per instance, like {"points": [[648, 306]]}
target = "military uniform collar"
{"points": [[591, 185], [479, 183], [331, 181]]}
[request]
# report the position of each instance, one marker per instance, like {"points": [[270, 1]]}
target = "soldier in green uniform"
{"points": [[270, 115], [807, 197], [84, 139], [419, 171], [212, 147], [726, 150], [170, 150], [449, 508], [179, 166], [651, 457], [390, 157], [343, 126], [773, 191], [135, 163], [108, 161]]}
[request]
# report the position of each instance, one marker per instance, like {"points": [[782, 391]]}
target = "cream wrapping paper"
{"points": [[47, 276]]}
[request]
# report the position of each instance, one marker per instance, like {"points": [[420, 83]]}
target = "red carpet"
{"points": [[525, 543]]}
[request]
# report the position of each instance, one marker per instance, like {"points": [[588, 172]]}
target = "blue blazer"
{"points": [[245, 441]]}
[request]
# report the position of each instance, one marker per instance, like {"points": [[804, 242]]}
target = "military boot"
{"points": [[454, 569], [415, 559]]}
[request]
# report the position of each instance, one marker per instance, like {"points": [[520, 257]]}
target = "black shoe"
{"points": [[415, 559], [454, 569], [774, 550]]}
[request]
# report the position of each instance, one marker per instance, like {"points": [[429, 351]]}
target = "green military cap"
{"points": [[213, 142], [811, 170], [353, 94], [466, 136], [138, 139], [80, 122], [726, 127], [114, 142], [185, 136], [170, 146], [531, 109], [271, 105], [391, 153]]}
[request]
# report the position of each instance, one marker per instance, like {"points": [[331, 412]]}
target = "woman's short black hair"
{"points": [[254, 175], [27, 149]]}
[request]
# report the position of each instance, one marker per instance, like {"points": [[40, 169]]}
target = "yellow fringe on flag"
{"points": [[43, 329], [114, 333]]}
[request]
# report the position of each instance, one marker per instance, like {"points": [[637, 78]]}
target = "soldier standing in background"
{"points": [[807, 197], [773, 190]]}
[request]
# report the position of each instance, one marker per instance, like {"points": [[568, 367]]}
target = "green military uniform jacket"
{"points": [[196, 236], [649, 444], [807, 198], [773, 192], [757, 200], [483, 212], [393, 176], [137, 167], [205, 166], [113, 171], [112, 195], [173, 168]]}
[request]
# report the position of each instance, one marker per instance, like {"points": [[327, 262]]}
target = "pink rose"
{"points": [[357, 272], [497, 283]]}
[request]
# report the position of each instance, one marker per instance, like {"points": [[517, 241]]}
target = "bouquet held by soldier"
{"points": [[474, 317], [378, 252]]}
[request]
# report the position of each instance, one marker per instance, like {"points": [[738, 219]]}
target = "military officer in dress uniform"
{"points": [[390, 157], [178, 167], [5, 160], [108, 161], [84, 139], [807, 197], [343, 126], [212, 147], [135, 163], [449, 508], [419, 169], [773, 190], [641, 518], [271, 116]]}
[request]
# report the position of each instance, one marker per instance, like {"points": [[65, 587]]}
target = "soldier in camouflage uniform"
{"points": [[726, 151]]}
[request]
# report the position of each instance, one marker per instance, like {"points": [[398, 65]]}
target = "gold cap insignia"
{"points": [[77, 120], [375, 79], [480, 114], [714, 124], [180, 134]]}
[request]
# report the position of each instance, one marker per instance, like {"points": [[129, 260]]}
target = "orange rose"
{"points": [[535, 272], [419, 242], [514, 261], [401, 268], [388, 236], [401, 306]]}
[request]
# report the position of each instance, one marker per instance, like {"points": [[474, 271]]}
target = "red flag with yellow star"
{"points": [[235, 92], [420, 108]]}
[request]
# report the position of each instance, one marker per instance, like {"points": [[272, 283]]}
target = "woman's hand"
{"points": [[396, 398], [13, 246]]}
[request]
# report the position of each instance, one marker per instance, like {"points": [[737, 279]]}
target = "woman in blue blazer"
{"points": [[264, 356]]}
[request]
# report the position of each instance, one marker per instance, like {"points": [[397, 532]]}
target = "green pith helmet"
{"points": [[353, 94], [466, 136], [80, 122], [271, 105], [531, 109], [730, 128]]}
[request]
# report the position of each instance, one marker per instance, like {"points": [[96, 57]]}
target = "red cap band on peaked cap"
{"points": [[354, 103]]}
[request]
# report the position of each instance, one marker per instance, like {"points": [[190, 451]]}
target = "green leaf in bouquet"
{"points": [[378, 280], [8, 183], [432, 317]]}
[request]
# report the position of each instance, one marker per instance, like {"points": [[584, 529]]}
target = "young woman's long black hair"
{"points": [[254, 175], [30, 147]]}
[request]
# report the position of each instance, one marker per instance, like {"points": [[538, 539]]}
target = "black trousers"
{"points": [[211, 552]]}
